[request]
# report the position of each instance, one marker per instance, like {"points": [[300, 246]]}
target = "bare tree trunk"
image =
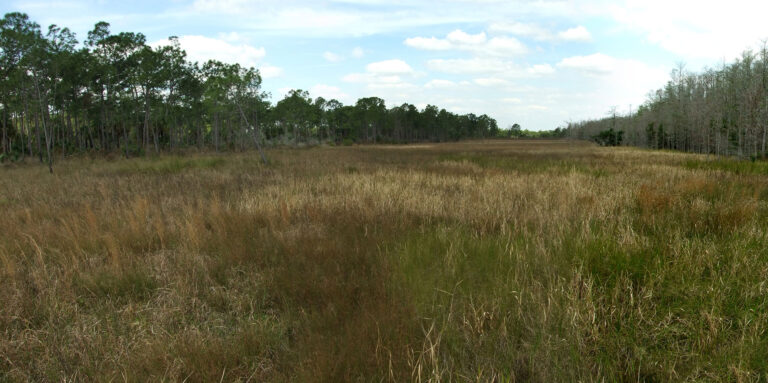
{"points": [[101, 123], [125, 139], [216, 131], [45, 130], [70, 134], [5, 130], [156, 138], [146, 121], [37, 136], [255, 136], [24, 131], [20, 134], [149, 130], [25, 126], [200, 138], [171, 128]]}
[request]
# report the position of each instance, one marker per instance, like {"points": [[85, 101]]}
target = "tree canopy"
{"points": [[718, 111], [114, 92]]}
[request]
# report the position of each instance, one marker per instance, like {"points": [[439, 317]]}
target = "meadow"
{"points": [[518, 261]]}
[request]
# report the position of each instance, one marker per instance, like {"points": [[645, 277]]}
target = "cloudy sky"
{"points": [[537, 63]]}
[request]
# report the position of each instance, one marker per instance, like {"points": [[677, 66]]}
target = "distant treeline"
{"points": [[116, 93], [515, 131], [720, 111]]}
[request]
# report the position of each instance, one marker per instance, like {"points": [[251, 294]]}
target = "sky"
{"points": [[536, 63]]}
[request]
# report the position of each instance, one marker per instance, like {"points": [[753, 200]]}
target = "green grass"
{"points": [[731, 165], [116, 285], [521, 164], [168, 165]]}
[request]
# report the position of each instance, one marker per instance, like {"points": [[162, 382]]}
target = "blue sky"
{"points": [[537, 63]]}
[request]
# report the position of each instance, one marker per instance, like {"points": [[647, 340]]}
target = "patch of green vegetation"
{"points": [[527, 165], [10, 157], [607, 261], [439, 259], [472, 291], [731, 165], [647, 304], [123, 285], [168, 165]]}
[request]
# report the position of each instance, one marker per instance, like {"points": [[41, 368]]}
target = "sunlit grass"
{"points": [[507, 261]]}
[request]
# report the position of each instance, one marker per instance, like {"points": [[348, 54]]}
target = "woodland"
{"points": [[116, 93], [721, 111]]}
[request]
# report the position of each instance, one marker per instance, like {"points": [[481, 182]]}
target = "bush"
{"points": [[10, 157], [609, 137]]}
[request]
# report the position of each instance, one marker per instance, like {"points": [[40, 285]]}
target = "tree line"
{"points": [[516, 131], [721, 111], [114, 92]]}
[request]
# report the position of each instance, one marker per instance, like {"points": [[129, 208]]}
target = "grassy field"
{"points": [[497, 261]]}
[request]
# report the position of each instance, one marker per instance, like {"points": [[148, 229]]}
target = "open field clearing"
{"points": [[478, 261]]}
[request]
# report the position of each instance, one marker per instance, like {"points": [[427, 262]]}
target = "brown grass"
{"points": [[476, 261]]}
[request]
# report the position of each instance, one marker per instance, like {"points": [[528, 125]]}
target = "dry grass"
{"points": [[479, 261]]}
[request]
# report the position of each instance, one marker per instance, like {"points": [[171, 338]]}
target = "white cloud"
{"points": [[231, 36], [270, 71], [313, 18], [504, 46], [388, 79], [491, 67], [398, 67], [501, 46], [440, 84], [608, 81], [428, 43], [221, 6], [401, 86], [460, 37], [596, 64], [575, 34], [366, 17], [303, 17], [332, 57], [536, 32], [387, 74], [357, 77], [696, 29], [489, 82], [468, 66], [328, 92], [356, 53], [372, 78], [541, 69], [522, 29], [512, 100], [201, 49], [278, 15]]}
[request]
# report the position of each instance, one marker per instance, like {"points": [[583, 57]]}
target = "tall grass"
{"points": [[479, 261]]}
